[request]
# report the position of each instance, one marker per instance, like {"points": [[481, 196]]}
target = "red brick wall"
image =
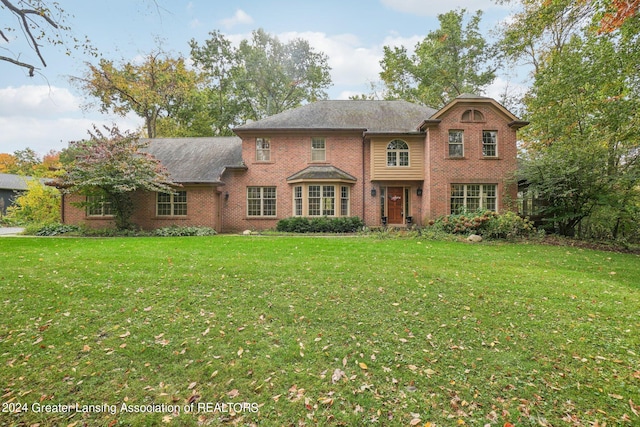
{"points": [[473, 168], [290, 153], [202, 210]]}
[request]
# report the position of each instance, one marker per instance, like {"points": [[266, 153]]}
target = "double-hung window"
{"points": [[489, 143], [171, 204], [263, 149], [318, 150], [344, 200], [456, 143], [297, 200], [261, 201]]}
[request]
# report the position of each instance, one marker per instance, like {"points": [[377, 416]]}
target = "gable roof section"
{"points": [[364, 116], [197, 160], [470, 99], [321, 173]]}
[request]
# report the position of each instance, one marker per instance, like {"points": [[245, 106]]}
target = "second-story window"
{"points": [[456, 143], [263, 149], [397, 153], [318, 150], [489, 143]]}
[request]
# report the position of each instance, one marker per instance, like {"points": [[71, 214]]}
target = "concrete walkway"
{"points": [[10, 231]]}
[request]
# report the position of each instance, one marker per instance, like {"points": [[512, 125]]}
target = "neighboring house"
{"points": [[11, 187], [387, 162]]}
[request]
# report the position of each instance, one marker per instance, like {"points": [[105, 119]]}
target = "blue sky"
{"points": [[45, 112]]}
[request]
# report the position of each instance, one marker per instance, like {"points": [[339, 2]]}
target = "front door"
{"points": [[395, 205]]}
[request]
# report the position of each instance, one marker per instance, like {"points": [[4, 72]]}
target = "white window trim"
{"points": [[337, 199], [449, 143], [483, 197], [262, 200], [172, 203], [396, 152], [495, 145], [319, 151], [263, 154]]}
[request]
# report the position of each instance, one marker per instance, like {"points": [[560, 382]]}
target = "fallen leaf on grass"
{"points": [[363, 366], [192, 385], [337, 375], [634, 408], [126, 334], [326, 401], [233, 393], [415, 422]]}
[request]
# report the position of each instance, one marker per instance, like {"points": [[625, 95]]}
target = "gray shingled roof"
{"points": [[14, 182], [190, 160], [372, 116], [322, 172]]}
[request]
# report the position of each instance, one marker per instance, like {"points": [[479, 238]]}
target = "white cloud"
{"points": [[43, 135], [434, 8], [240, 17], [352, 64], [37, 101], [43, 127]]}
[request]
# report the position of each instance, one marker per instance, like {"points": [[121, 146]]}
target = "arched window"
{"points": [[397, 153], [472, 116]]}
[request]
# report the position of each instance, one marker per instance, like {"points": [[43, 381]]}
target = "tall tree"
{"points": [[216, 59], [451, 60], [272, 76], [155, 88], [584, 137], [111, 166]]}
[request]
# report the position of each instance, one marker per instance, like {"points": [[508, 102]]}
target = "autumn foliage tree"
{"points": [[111, 166], [155, 88], [583, 143], [40, 204], [617, 13]]}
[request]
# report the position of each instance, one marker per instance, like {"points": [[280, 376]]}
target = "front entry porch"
{"points": [[396, 205]]}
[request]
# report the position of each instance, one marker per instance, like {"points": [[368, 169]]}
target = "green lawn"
{"points": [[316, 331]]}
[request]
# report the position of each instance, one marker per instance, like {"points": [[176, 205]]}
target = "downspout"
{"points": [[62, 207], [364, 192]]}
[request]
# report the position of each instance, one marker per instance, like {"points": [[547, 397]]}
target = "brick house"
{"points": [[387, 162]]}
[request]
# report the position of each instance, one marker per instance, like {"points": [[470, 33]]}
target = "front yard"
{"points": [[316, 331]]}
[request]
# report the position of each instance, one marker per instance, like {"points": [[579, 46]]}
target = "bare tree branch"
{"points": [[24, 15], [30, 67]]}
